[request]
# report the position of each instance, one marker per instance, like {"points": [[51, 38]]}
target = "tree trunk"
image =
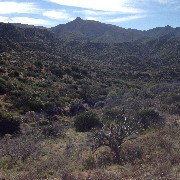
{"points": [[118, 157]]}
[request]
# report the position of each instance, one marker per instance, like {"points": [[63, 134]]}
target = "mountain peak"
{"points": [[78, 19], [168, 27]]}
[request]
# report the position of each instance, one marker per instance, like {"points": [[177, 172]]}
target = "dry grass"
{"points": [[153, 155]]}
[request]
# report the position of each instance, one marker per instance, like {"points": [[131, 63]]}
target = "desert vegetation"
{"points": [[73, 109]]}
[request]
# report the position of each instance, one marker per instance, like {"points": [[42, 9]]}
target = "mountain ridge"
{"points": [[90, 30], [32, 38], [94, 31]]}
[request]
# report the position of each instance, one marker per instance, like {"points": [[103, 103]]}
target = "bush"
{"points": [[77, 109], [14, 74], [8, 124], [53, 129], [56, 71], [19, 147], [86, 121], [148, 118], [28, 99], [89, 163], [112, 115], [2, 86], [114, 136], [38, 64]]}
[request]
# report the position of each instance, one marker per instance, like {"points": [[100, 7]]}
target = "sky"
{"points": [[134, 14]]}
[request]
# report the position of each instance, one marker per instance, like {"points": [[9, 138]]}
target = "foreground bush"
{"points": [[114, 136], [86, 121]]}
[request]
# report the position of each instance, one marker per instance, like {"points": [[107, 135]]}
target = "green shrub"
{"points": [[112, 93], [28, 99], [112, 115], [56, 71], [86, 121], [75, 69], [38, 64], [174, 108], [68, 70], [36, 104], [8, 124], [14, 74], [76, 75], [2, 86], [149, 117]]}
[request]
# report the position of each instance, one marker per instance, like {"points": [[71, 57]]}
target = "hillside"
{"points": [[82, 75]]}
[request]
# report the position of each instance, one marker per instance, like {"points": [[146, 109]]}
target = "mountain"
{"points": [[85, 31], [94, 31], [20, 37], [94, 40], [89, 30], [164, 31]]}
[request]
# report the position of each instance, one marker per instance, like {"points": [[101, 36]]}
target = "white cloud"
{"points": [[97, 13], [103, 16], [92, 18], [53, 14], [25, 20], [126, 18], [32, 21], [123, 6], [17, 7], [4, 19]]}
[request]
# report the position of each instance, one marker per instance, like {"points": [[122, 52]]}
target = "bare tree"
{"points": [[114, 136]]}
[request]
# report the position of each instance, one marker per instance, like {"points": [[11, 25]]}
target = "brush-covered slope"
{"points": [[48, 72]]}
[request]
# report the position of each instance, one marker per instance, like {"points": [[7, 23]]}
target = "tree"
{"points": [[114, 136]]}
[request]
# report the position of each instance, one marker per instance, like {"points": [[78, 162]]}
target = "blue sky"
{"points": [[135, 14]]}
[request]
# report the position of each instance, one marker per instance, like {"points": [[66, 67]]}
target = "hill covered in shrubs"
{"points": [[87, 99]]}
